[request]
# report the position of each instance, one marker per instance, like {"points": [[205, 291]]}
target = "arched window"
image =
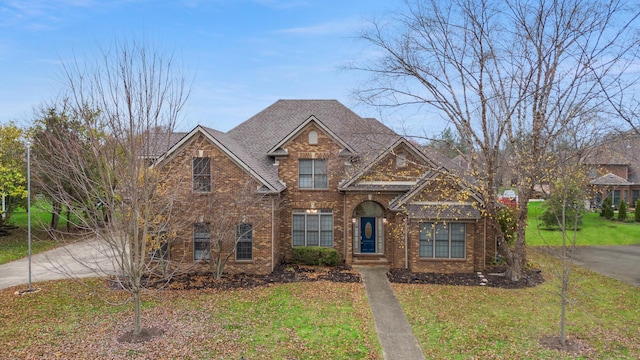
{"points": [[369, 209]]}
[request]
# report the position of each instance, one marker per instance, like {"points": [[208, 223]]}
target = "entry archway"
{"points": [[368, 229]]}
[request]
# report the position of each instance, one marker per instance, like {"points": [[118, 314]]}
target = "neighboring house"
{"points": [[614, 169], [329, 178]]}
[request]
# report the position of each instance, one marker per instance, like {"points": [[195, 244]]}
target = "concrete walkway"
{"points": [[395, 333], [82, 259]]}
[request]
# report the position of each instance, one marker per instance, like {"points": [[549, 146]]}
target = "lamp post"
{"points": [[29, 208]]}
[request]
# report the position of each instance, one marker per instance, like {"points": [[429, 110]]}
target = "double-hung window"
{"points": [[313, 227], [201, 241], [312, 174], [244, 244], [442, 241], [201, 174]]}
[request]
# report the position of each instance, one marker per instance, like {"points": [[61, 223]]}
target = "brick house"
{"points": [[327, 177], [614, 169]]}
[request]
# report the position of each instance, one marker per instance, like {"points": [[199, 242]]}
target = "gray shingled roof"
{"points": [[450, 212], [250, 141], [163, 141], [254, 163], [610, 180], [256, 136]]}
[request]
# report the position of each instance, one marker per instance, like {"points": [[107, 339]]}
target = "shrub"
{"points": [[550, 218], [622, 211], [607, 209], [637, 212], [315, 255]]}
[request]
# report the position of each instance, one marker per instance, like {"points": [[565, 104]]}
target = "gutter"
{"points": [[272, 235], [406, 243]]}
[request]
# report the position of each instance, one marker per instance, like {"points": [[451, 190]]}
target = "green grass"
{"points": [[15, 245], [594, 231], [291, 321], [40, 216], [478, 322]]}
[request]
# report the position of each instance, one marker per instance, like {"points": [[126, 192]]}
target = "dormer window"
{"points": [[313, 137]]}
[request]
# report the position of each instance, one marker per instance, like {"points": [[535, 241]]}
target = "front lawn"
{"points": [[15, 245], [319, 320], [491, 323], [594, 231]]}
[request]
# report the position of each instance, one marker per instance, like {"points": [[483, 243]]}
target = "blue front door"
{"points": [[368, 235]]}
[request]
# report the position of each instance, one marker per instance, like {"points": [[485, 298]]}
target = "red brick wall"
{"points": [[474, 257], [296, 198], [195, 207]]}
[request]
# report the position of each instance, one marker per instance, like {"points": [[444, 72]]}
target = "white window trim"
{"points": [[313, 212], [240, 240], [313, 174], [448, 227]]}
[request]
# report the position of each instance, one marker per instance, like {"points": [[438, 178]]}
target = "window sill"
{"points": [[424, 259]]}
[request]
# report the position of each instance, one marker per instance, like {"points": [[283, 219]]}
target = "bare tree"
{"points": [[237, 211], [503, 71], [123, 103]]}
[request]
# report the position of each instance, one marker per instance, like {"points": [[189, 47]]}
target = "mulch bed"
{"points": [[288, 273], [494, 278], [145, 335], [284, 273]]}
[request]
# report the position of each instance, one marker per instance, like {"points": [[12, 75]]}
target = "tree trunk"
{"points": [[68, 219], [56, 207], [137, 316]]}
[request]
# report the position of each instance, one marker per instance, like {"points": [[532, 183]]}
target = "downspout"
{"points": [[344, 224], [406, 243], [272, 235]]}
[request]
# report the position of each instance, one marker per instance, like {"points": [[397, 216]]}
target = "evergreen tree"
{"points": [[637, 211], [607, 209], [622, 211]]}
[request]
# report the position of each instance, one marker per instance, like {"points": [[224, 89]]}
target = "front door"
{"points": [[368, 235]]}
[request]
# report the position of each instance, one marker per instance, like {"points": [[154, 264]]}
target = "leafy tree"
{"points": [[51, 132], [566, 198], [449, 144], [13, 179], [522, 72], [230, 227], [622, 211]]}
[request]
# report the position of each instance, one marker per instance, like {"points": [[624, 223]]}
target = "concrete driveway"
{"points": [[621, 262], [82, 259]]}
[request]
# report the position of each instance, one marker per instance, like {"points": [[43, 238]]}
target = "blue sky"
{"points": [[243, 54]]}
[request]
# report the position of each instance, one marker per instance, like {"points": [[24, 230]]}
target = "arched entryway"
{"points": [[368, 228]]}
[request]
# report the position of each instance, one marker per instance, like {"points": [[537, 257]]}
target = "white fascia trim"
{"points": [[440, 203], [383, 183]]}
